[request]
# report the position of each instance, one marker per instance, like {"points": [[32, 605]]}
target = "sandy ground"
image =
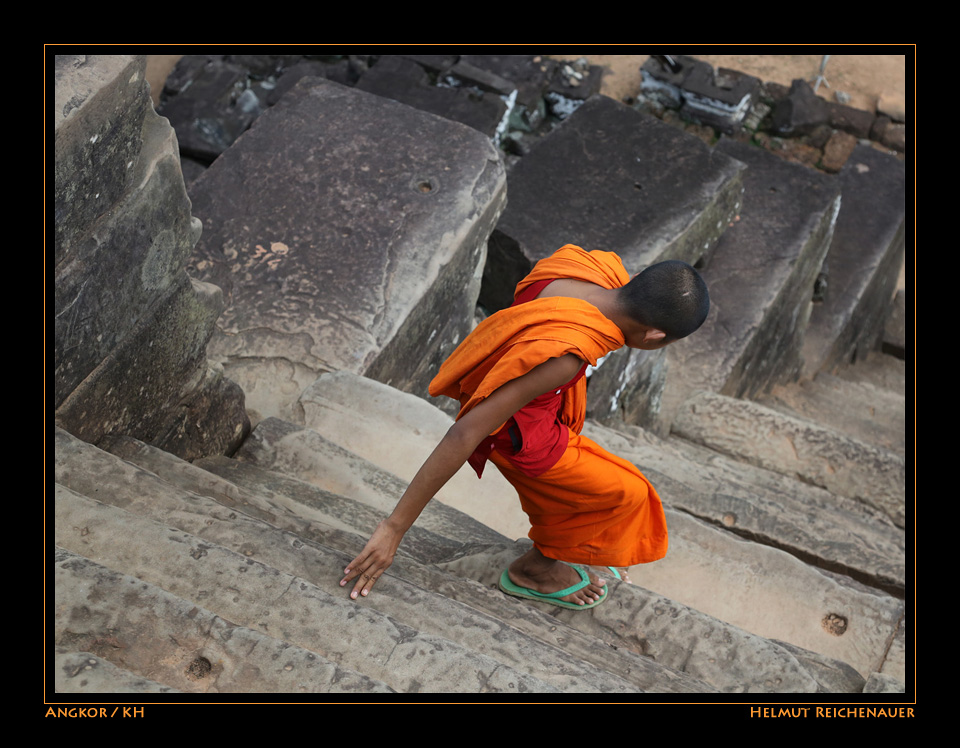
{"points": [[865, 78]]}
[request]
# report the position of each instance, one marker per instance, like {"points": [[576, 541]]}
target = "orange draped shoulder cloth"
{"points": [[513, 341]]}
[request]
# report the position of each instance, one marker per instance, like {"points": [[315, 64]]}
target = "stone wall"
{"points": [[130, 327]]}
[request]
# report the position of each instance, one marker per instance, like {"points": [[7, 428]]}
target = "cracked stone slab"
{"points": [[612, 178], [768, 507], [793, 446], [348, 232], [284, 606], [100, 103], [761, 279], [863, 264], [150, 640]]}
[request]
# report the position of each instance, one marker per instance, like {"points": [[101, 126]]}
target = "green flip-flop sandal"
{"points": [[553, 598]]}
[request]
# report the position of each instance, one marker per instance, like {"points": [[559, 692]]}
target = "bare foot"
{"points": [[621, 573], [535, 571]]}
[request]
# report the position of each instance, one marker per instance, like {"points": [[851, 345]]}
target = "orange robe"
{"points": [[590, 506]]}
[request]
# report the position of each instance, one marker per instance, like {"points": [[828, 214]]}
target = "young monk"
{"points": [[520, 380]]}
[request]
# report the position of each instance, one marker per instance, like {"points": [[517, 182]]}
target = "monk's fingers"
{"points": [[366, 578], [353, 569]]}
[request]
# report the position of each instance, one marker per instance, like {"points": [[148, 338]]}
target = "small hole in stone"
{"points": [[199, 668], [834, 624], [425, 185]]}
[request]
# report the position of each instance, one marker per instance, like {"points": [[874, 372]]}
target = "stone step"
{"points": [[661, 639], [827, 531], [860, 410], [799, 448], [775, 595], [396, 432], [707, 586], [652, 653], [287, 606], [85, 672], [875, 555], [862, 266], [345, 230], [883, 371], [158, 532], [761, 588], [131, 636], [761, 278], [286, 449]]}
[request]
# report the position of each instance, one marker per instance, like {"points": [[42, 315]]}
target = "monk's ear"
{"points": [[652, 335]]}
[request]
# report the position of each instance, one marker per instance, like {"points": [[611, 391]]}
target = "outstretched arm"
{"points": [[446, 459]]}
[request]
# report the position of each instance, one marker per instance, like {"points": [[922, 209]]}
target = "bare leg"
{"points": [[535, 571]]}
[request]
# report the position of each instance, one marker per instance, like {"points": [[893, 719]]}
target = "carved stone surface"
{"points": [[130, 328], [612, 178], [348, 232], [761, 279], [861, 268]]}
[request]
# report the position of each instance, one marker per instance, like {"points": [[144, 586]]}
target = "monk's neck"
{"points": [[604, 299]]}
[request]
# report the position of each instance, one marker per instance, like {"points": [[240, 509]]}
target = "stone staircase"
{"points": [[771, 585], [775, 435], [172, 573]]}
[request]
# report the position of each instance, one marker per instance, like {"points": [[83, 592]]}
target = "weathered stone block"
{"points": [[348, 232], [761, 278], [837, 150], [466, 74], [857, 122], [99, 105], [719, 98], [130, 327], [573, 83], [796, 447], [118, 269], [212, 106], [800, 112], [662, 78], [610, 177], [210, 420], [530, 74], [346, 71], [863, 263], [402, 80], [135, 388], [627, 386]]}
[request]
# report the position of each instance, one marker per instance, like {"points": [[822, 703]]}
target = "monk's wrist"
{"points": [[397, 525]]}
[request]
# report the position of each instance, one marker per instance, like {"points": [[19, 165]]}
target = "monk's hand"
{"points": [[372, 561]]}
